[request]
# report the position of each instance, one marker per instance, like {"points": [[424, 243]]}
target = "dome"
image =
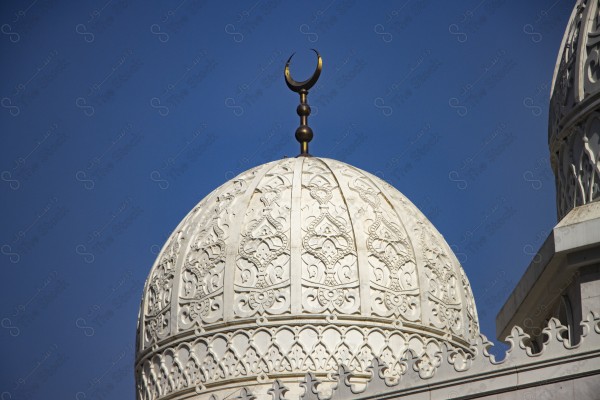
{"points": [[574, 125], [296, 266]]}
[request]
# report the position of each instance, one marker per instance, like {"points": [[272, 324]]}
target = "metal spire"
{"points": [[304, 133]]}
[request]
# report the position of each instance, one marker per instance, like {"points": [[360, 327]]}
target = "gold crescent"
{"points": [[307, 84]]}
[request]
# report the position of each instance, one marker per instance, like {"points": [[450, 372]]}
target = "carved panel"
{"points": [[472, 318], [204, 270], [444, 303], [392, 264], [565, 91], [262, 273], [578, 175], [157, 315], [591, 69], [329, 262], [283, 350]]}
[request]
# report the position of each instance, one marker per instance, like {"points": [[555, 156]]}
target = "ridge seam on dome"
{"points": [[185, 241], [296, 239]]}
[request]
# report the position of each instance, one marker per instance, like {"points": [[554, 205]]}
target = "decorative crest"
{"points": [[304, 133]]}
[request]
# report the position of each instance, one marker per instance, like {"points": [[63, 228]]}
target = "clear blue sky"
{"points": [[119, 116]]}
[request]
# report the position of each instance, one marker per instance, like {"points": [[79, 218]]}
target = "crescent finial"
{"points": [[307, 84], [304, 133]]}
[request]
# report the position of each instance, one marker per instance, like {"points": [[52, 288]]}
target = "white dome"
{"points": [[574, 118], [297, 266]]}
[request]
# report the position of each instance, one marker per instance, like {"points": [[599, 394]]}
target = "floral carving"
{"points": [[330, 275], [203, 273], [158, 294], [262, 268], [578, 157], [473, 320], [202, 277], [393, 274], [343, 234], [443, 284]]}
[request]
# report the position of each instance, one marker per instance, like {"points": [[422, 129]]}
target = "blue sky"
{"points": [[118, 117]]}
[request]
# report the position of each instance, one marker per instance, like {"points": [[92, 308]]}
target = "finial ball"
{"points": [[303, 110], [304, 134]]}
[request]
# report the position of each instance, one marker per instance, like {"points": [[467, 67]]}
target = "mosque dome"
{"points": [[574, 122], [298, 265]]}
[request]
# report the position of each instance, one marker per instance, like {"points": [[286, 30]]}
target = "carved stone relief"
{"points": [[283, 350], [565, 91], [415, 362], [573, 120], [262, 274], [157, 316], [591, 68], [203, 273], [329, 262], [394, 283], [226, 278], [443, 284], [578, 163]]}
